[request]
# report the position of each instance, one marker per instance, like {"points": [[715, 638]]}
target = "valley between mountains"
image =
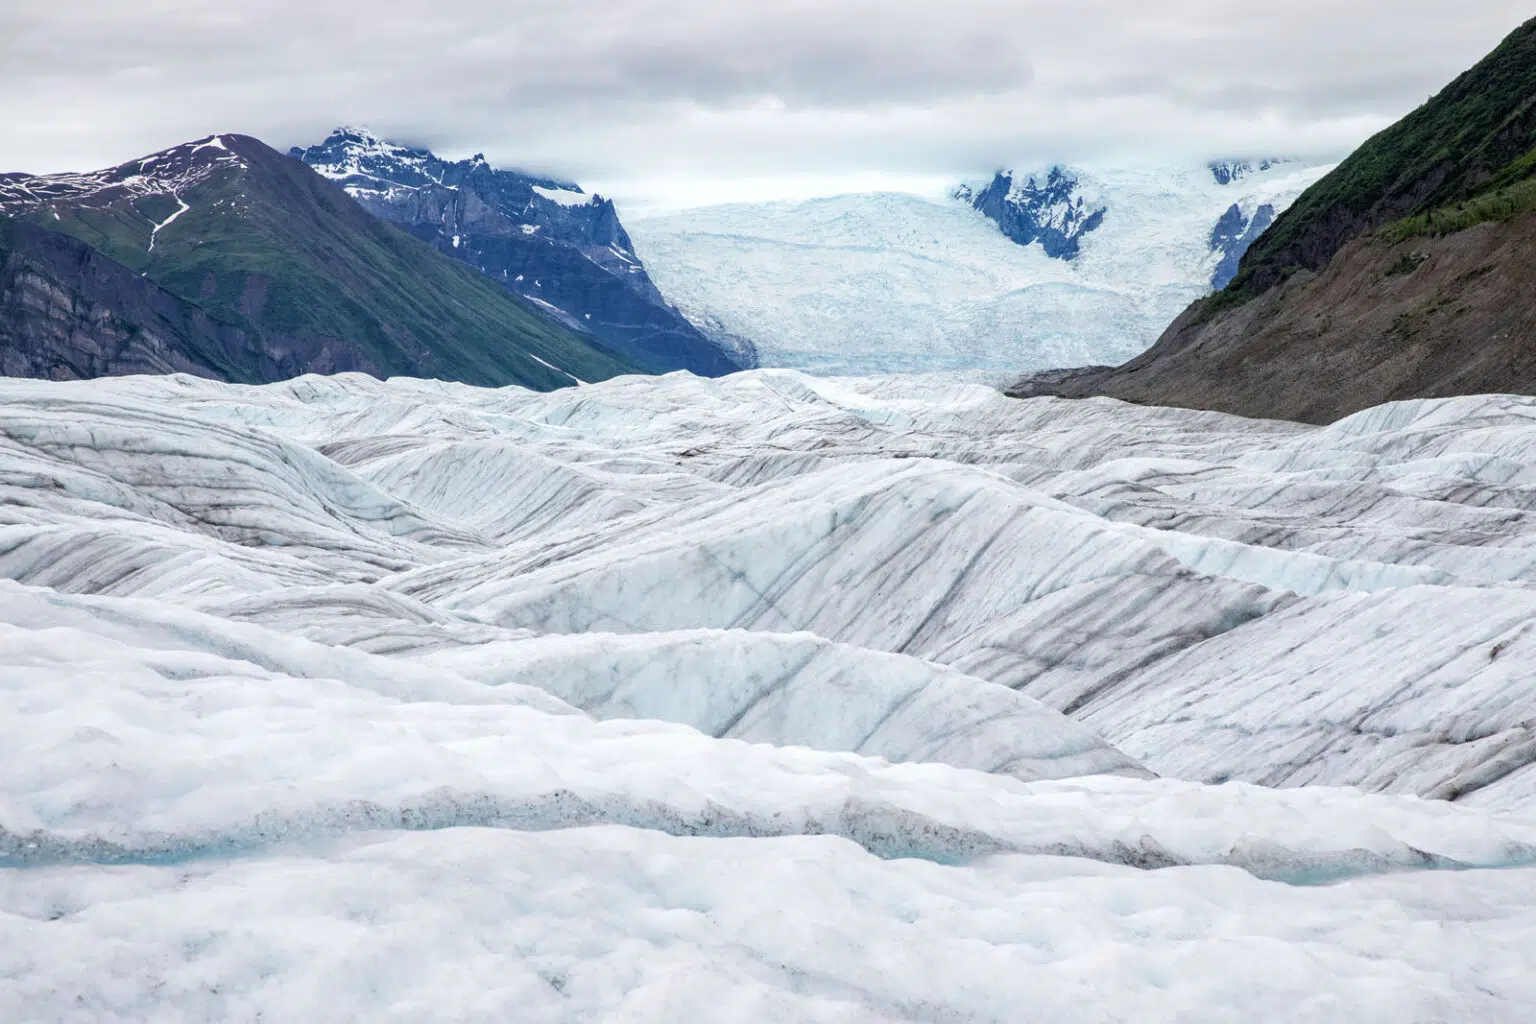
{"points": [[769, 696]]}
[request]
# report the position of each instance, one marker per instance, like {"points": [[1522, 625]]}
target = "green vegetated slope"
{"points": [[1493, 204], [263, 243], [1405, 273], [1475, 138]]}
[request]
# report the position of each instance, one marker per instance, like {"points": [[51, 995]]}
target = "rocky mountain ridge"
{"points": [[1233, 235], [1228, 171], [539, 237], [1059, 208], [1050, 210], [250, 267]]}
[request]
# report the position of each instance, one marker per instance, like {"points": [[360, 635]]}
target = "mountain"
{"points": [[1233, 235], [1061, 267], [1405, 273], [68, 312], [1053, 211], [1049, 210], [250, 267], [539, 237], [1227, 171]]}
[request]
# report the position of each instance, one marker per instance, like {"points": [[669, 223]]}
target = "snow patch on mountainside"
{"points": [[888, 282], [564, 196], [163, 175]]}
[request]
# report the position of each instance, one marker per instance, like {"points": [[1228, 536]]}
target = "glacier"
{"points": [[878, 283], [774, 696]]}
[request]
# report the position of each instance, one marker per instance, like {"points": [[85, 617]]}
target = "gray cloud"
{"points": [[631, 91]]}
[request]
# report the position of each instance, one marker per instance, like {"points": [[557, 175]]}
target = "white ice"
{"points": [[891, 282], [769, 697], [564, 196]]}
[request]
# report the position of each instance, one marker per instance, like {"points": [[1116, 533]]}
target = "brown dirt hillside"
{"points": [[1409, 271], [1427, 317]]}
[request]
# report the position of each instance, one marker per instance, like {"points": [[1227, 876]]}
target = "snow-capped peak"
{"points": [[351, 153], [360, 133], [545, 238], [169, 173], [363, 142]]}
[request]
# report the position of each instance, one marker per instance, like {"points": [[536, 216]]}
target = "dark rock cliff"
{"points": [[1233, 235], [1052, 212], [546, 240], [67, 312]]}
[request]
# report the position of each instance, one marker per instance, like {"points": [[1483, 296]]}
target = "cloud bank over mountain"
{"points": [[649, 90]]}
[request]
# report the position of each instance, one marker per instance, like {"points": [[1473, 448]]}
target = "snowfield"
{"points": [[772, 697], [898, 283]]}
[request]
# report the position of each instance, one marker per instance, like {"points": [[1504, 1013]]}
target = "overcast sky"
{"points": [[730, 99]]}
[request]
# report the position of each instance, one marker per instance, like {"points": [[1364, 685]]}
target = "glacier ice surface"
{"points": [[768, 697], [892, 282]]}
